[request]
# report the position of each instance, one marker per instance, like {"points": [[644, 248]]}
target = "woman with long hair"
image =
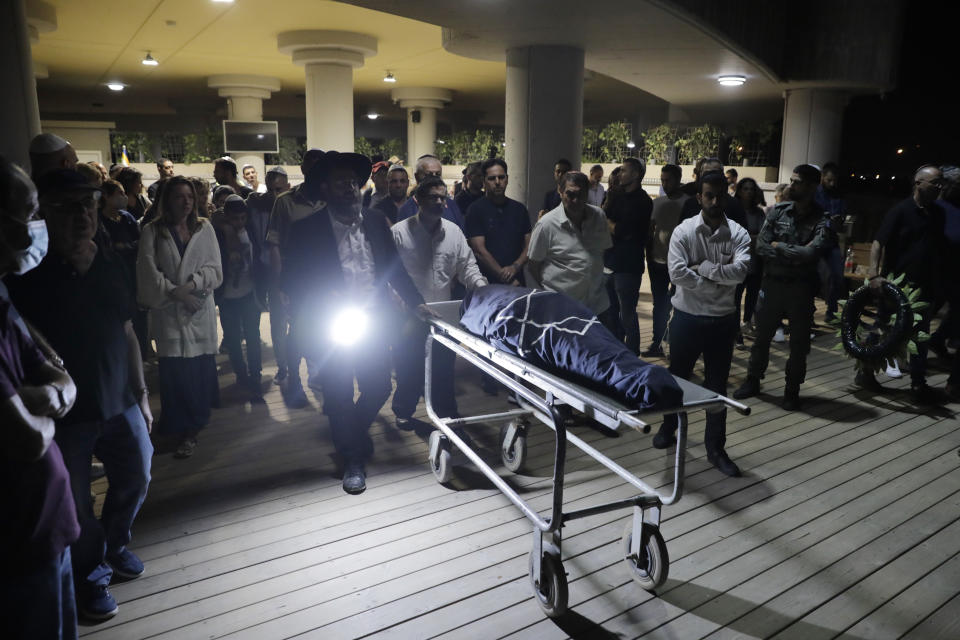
{"points": [[178, 267], [750, 195]]}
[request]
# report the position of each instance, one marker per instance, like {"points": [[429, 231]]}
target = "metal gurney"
{"points": [[539, 393]]}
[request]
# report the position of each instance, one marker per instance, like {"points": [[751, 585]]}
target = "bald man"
{"points": [[911, 240], [49, 152]]}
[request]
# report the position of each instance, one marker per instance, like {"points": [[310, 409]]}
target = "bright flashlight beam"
{"points": [[348, 326]]}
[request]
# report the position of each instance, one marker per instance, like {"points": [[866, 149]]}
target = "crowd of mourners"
{"points": [[101, 275]]}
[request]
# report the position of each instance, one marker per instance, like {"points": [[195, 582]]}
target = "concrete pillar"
{"points": [[544, 117], [421, 104], [328, 58], [245, 95], [812, 123], [19, 113]]}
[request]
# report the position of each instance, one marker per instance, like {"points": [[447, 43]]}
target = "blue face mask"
{"points": [[27, 259]]}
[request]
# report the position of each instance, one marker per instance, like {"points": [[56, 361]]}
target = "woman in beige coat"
{"points": [[178, 267]]}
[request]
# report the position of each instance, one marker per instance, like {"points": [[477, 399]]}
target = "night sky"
{"points": [[920, 116]]}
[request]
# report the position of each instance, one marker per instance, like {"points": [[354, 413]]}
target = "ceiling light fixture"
{"points": [[389, 77], [149, 60], [373, 115], [731, 81], [439, 141], [115, 86], [631, 144], [224, 1]]}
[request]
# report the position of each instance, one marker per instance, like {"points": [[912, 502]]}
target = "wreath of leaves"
{"points": [[905, 346]]}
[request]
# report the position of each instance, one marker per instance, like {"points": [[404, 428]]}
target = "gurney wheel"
{"points": [[440, 457], [550, 588], [651, 569], [515, 456]]}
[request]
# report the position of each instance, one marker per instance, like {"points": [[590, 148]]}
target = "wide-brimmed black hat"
{"points": [[359, 164]]}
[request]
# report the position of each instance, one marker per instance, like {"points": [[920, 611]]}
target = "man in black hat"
{"points": [[337, 264], [80, 300]]}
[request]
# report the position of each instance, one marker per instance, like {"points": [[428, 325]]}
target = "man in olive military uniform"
{"points": [[791, 241]]}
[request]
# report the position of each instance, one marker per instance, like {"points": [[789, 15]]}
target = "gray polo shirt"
{"points": [[573, 258]]}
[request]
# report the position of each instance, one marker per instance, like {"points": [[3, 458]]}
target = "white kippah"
{"points": [[47, 143]]}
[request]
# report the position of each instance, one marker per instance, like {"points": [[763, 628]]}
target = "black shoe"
{"points": [[664, 440], [867, 381], [655, 351], [294, 397], [791, 401], [722, 461], [749, 388], [925, 394], [354, 478], [279, 377]]}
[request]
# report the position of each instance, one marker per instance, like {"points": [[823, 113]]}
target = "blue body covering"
{"points": [[564, 337]]}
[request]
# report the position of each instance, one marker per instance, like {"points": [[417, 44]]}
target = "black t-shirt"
{"points": [[630, 214], [124, 237], [551, 200], [82, 317], [388, 208], [914, 243], [464, 199], [503, 228]]}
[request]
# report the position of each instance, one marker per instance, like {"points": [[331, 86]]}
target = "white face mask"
{"points": [[27, 259]]}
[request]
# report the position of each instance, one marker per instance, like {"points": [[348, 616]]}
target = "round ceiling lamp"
{"points": [[731, 81]]}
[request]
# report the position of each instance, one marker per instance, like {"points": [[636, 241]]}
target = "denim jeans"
{"points": [[660, 289], [240, 319], [123, 445], [627, 286], [690, 337], [40, 604]]}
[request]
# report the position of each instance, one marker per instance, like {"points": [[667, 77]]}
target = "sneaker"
{"points": [[655, 351], [893, 370], [722, 461], [279, 377], [778, 336], [354, 478], [96, 603], [125, 564], [749, 388], [186, 448], [747, 329]]}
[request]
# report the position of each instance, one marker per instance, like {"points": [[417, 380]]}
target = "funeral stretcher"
{"points": [[540, 394]]}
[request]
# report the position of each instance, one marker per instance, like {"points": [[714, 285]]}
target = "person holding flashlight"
{"points": [[435, 253], [338, 268]]}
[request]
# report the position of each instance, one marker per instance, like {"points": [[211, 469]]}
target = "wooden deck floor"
{"points": [[846, 524]]}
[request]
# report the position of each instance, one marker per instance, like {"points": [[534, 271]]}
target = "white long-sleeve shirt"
{"points": [[721, 259], [434, 260]]}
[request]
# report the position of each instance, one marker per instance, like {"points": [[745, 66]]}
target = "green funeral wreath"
{"points": [[893, 330]]}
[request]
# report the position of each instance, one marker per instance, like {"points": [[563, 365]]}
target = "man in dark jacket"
{"points": [[629, 212], [336, 268]]}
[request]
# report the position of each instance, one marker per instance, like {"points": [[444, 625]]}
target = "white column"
{"points": [[328, 58], [544, 117], [245, 95], [19, 112], [421, 104], [812, 125]]}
